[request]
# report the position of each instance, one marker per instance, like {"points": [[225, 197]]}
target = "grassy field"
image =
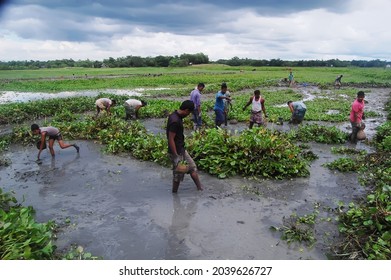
{"points": [[238, 78], [365, 228]]}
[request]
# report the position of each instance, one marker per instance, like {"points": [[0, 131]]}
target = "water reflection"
{"points": [[179, 229]]}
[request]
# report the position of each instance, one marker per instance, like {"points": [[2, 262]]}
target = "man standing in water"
{"points": [[338, 82], [195, 96], [54, 134], [258, 106], [291, 79], [176, 145], [219, 106], [357, 115]]}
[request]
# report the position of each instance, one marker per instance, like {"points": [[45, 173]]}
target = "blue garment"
{"points": [[220, 117], [299, 111], [299, 105], [197, 120], [219, 104]]}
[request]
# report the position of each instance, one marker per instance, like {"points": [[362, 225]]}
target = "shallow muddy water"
{"points": [[121, 208], [117, 207]]}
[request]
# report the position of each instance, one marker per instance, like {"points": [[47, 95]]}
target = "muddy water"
{"points": [[121, 208]]}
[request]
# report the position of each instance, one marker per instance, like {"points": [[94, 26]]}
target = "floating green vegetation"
{"points": [[366, 226], [344, 164], [298, 228], [257, 151], [309, 155], [76, 252], [318, 133], [4, 142], [22, 238], [383, 133]]}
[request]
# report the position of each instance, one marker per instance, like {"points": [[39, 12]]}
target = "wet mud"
{"points": [[121, 208], [117, 207]]}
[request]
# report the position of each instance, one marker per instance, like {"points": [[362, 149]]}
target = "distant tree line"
{"points": [[236, 61], [182, 61]]}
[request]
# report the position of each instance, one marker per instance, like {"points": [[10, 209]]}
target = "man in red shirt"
{"points": [[357, 115]]}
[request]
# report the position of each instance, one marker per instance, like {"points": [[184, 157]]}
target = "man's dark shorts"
{"points": [[57, 137]]}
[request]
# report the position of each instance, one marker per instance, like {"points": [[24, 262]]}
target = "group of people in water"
{"points": [[175, 130], [223, 103]]}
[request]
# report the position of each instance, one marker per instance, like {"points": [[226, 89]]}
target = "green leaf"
{"points": [[368, 222]]}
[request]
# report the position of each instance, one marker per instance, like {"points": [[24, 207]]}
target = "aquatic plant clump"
{"points": [[366, 226], [21, 237], [258, 152], [319, 134]]}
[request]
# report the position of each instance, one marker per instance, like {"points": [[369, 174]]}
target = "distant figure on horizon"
{"points": [[337, 82], [291, 79]]}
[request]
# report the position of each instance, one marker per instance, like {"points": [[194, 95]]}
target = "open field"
{"points": [[54, 80], [118, 204]]}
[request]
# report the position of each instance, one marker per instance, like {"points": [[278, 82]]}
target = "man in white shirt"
{"points": [[132, 106], [104, 104]]}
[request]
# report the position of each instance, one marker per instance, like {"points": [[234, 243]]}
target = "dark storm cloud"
{"points": [[75, 20], [2, 5]]}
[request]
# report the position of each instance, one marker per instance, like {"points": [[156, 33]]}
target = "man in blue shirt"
{"points": [[298, 110], [220, 106]]}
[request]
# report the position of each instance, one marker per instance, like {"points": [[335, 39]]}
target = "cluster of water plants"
{"points": [[365, 226], [299, 229], [23, 238]]}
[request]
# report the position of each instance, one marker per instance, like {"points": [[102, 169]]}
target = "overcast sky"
{"points": [[263, 29]]}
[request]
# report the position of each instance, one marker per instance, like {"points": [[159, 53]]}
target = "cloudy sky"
{"points": [[259, 29]]}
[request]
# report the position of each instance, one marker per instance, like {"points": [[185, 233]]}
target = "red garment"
{"points": [[358, 108]]}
